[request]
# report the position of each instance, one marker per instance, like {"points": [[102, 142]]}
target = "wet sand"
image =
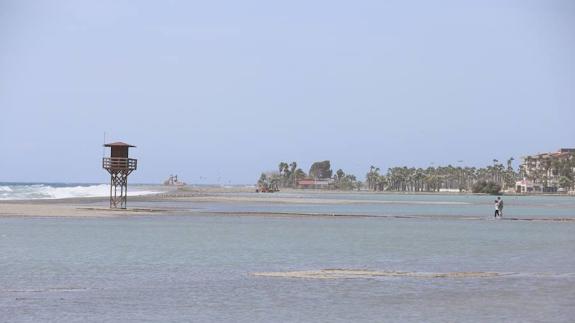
{"points": [[65, 210], [96, 206], [340, 273], [363, 273]]}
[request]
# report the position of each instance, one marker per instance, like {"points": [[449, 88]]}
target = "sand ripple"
{"points": [[42, 290], [362, 273]]}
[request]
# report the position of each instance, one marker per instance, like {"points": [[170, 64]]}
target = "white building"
{"points": [[543, 172]]}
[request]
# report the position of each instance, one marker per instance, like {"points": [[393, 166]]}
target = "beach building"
{"points": [[119, 165], [547, 172], [526, 186], [315, 183]]}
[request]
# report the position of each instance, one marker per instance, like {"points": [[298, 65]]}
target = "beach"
{"points": [[365, 161], [231, 255], [291, 202]]}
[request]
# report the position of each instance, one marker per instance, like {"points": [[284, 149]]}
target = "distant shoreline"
{"points": [[166, 192], [215, 192], [290, 190], [82, 207]]}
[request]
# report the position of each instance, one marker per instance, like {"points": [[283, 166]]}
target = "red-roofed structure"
{"points": [[314, 183]]}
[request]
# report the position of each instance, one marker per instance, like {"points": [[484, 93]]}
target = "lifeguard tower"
{"points": [[119, 165]]}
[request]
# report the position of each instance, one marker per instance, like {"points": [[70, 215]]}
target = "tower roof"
{"points": [[118, 144]]}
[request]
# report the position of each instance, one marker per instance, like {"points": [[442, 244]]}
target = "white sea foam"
{"points": [[46, 191]]}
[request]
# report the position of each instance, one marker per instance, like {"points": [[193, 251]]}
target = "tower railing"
{"points": [[119, 163]]}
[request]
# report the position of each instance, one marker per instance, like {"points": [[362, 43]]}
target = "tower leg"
{"points": [[119, 198]]}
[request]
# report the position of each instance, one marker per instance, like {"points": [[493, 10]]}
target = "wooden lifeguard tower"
{"points": [[119, 165]]}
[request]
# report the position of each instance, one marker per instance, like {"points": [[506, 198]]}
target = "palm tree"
{"points": [[381, 182], [509, 174], [372, 176], [339, 174], [282, 166], [293, 169], [284, 173]]}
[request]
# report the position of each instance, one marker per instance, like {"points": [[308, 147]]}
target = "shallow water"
{"points": [[194, 267], [388, 204]]}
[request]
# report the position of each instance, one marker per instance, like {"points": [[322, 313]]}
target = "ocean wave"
{"points": [[44, 191]]}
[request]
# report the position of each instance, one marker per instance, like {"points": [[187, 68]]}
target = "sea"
{"points": [[199, 265], [36, 191]]}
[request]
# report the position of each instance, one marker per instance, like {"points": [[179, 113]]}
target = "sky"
{"points": [[219, 91]]}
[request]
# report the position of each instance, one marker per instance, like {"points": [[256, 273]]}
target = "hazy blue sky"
{"points": [[225, 89]]}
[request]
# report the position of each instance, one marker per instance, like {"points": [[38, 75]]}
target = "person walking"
{"points": [[500, 206], [496, 215]]}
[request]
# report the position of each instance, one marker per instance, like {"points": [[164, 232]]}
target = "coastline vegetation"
{"points": [[491, 179], [443, 178], [290, 175]]}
